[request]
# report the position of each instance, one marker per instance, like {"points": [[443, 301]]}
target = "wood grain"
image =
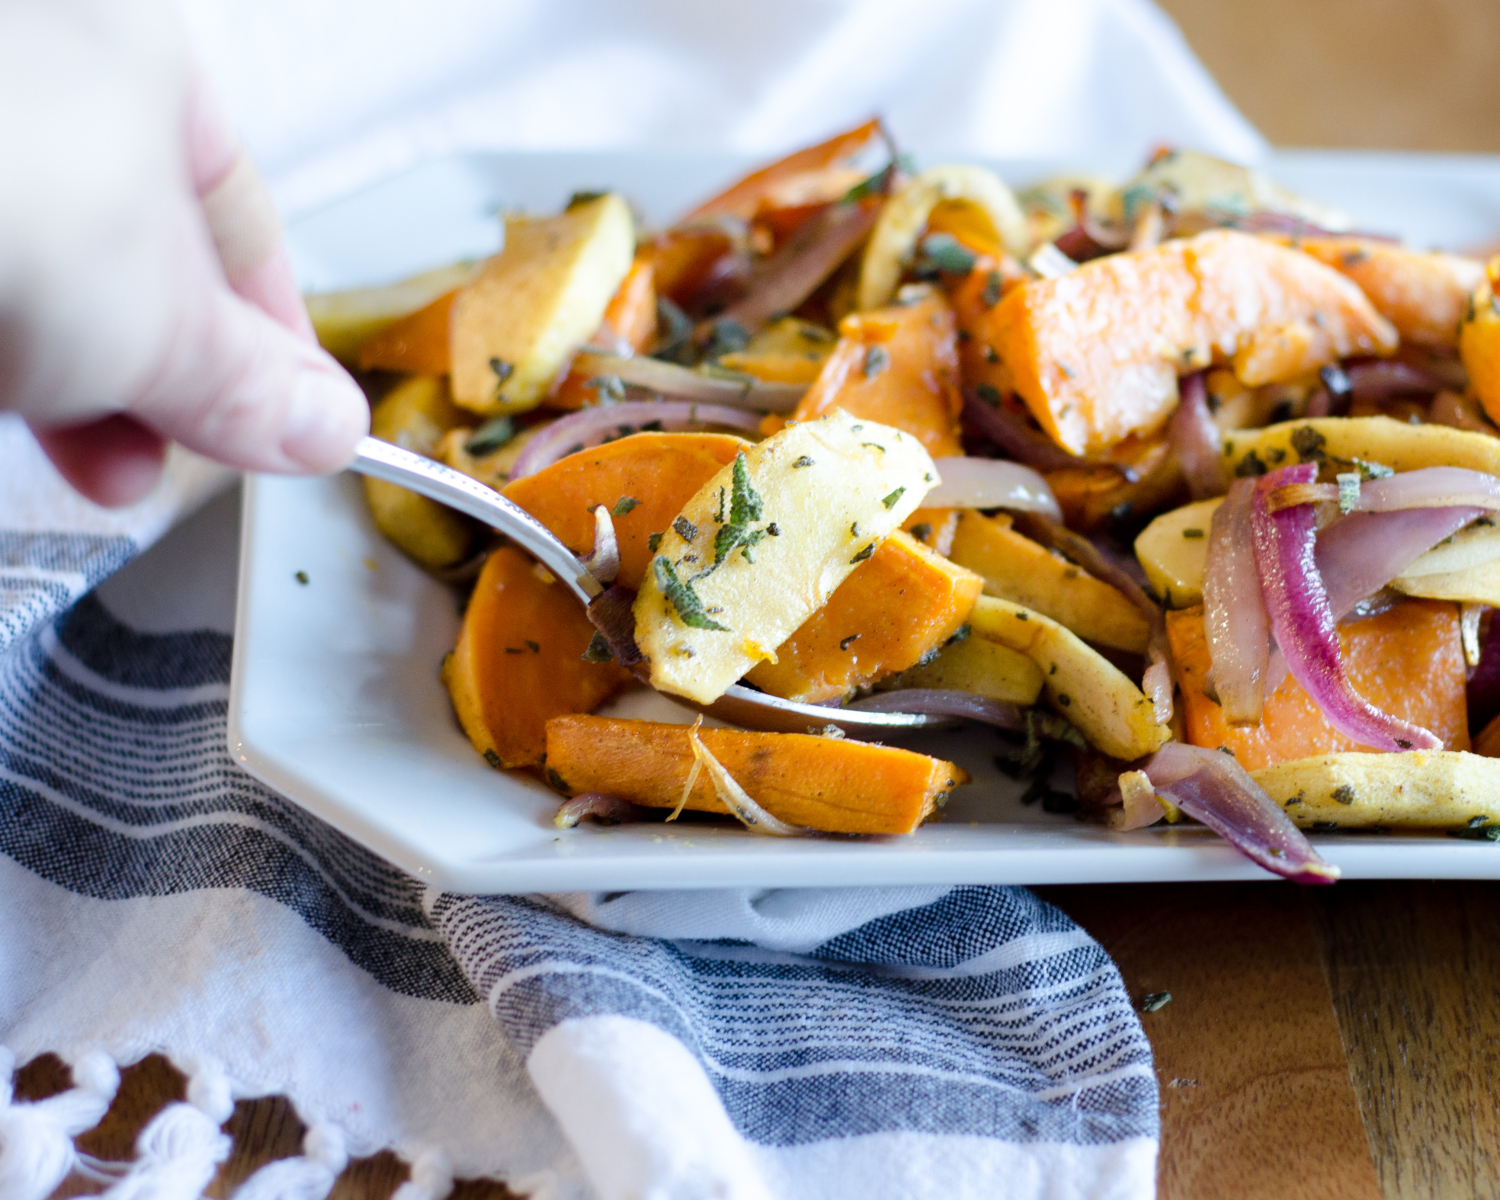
{"points": [[1415, 974], [1387, 74], [1256, 1097]]}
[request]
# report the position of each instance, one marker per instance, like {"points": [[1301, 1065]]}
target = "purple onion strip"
{"points": [[944, 702], [1195, 439], [1303, 622], [1430, 487], [591, 426], [1211, 787], [609, 810], [1234, 615], [1359, 554]]}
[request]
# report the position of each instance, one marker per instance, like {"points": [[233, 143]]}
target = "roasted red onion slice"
{"points": [[1234, 615], [608, 810], [604, 563], [1023, 443], [1359, 554], [990, 483], [1211, 787], [1431, 487], [591, 426], [793, 273], [945, 703], [1381, 378], [676, 382], [1303, 623], [612, 613], [1195, 439]]}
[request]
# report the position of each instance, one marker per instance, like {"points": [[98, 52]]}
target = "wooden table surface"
{"points": [[1334, 1044]]}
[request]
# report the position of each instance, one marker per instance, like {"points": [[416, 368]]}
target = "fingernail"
{"points": [[327, 415]]}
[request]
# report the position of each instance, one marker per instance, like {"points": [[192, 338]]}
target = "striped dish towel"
{"points": [[912, 1043]]}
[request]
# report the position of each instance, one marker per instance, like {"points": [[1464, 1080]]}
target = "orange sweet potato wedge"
{"points": [[900, 603], [519, 661], [645, 480], [976, 300], [1422, 294], [786, 178], [417, 344], [630, 319], [1479, 340], [822, 783], [1096, 353], [1407, 661], [898, 366]]}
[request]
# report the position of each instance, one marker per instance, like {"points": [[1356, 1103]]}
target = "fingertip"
{"points": [[114, 462], [327, 416]]}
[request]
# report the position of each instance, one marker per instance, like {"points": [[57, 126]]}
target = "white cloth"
{"points": [[331, 96], [801, 1044]]}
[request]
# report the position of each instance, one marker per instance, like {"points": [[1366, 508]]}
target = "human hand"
{"points": [[145, 294]]}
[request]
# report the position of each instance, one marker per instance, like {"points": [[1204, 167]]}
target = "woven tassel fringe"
{"points": [[36, 1140]]}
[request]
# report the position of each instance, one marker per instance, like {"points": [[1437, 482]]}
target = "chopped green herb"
{"points": [[944, 252], [494, 760], [653, 543], [848, 641], [1372, 470], [960, 634], [681, 596], [611, 388], [864, 554], [598, 650], [987, 393], [877, 359], [557, 781], [301, 577], [514, 650], [1308, 443], [745, 506], [921, 531], [991, 355], [1192, 533], [1348, 491], [1343, 794], [1250, 465], [491, 436], [685, 529], [890, 501], [1155, 1001], [1064, 699], [623, 505], [503, 371], [990, 296], [804, 461], [534, 647]]}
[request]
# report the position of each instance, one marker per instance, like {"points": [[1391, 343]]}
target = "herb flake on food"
{"points": [[653, 543], [845, 643], [684, 529], [598, 651], [491, 436], [503, 371], [623, 505], [680, 596], [944, 252], [864, 554], [301, 577], [877, 359], [1155, 1001], [890, 501]]}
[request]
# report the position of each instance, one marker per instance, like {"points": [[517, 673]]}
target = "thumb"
{"points": [[239, 387]]}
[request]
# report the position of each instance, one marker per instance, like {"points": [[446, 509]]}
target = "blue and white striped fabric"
{"points": [[884, 1043]]}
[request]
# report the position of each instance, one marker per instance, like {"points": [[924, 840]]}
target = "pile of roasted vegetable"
{"points": [[1182, 477]]}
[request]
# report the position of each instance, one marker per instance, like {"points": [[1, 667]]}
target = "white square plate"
{"points": [[336, 702]]}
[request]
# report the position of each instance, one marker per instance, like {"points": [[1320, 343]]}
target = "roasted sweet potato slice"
{"points": [[839, 786], [417, 343], [1407, 661], [902, 603], [786, 180], [898, 366], [1423, 294], [1096, 353], [519, 661], [644, 480], [1479, 341]]}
